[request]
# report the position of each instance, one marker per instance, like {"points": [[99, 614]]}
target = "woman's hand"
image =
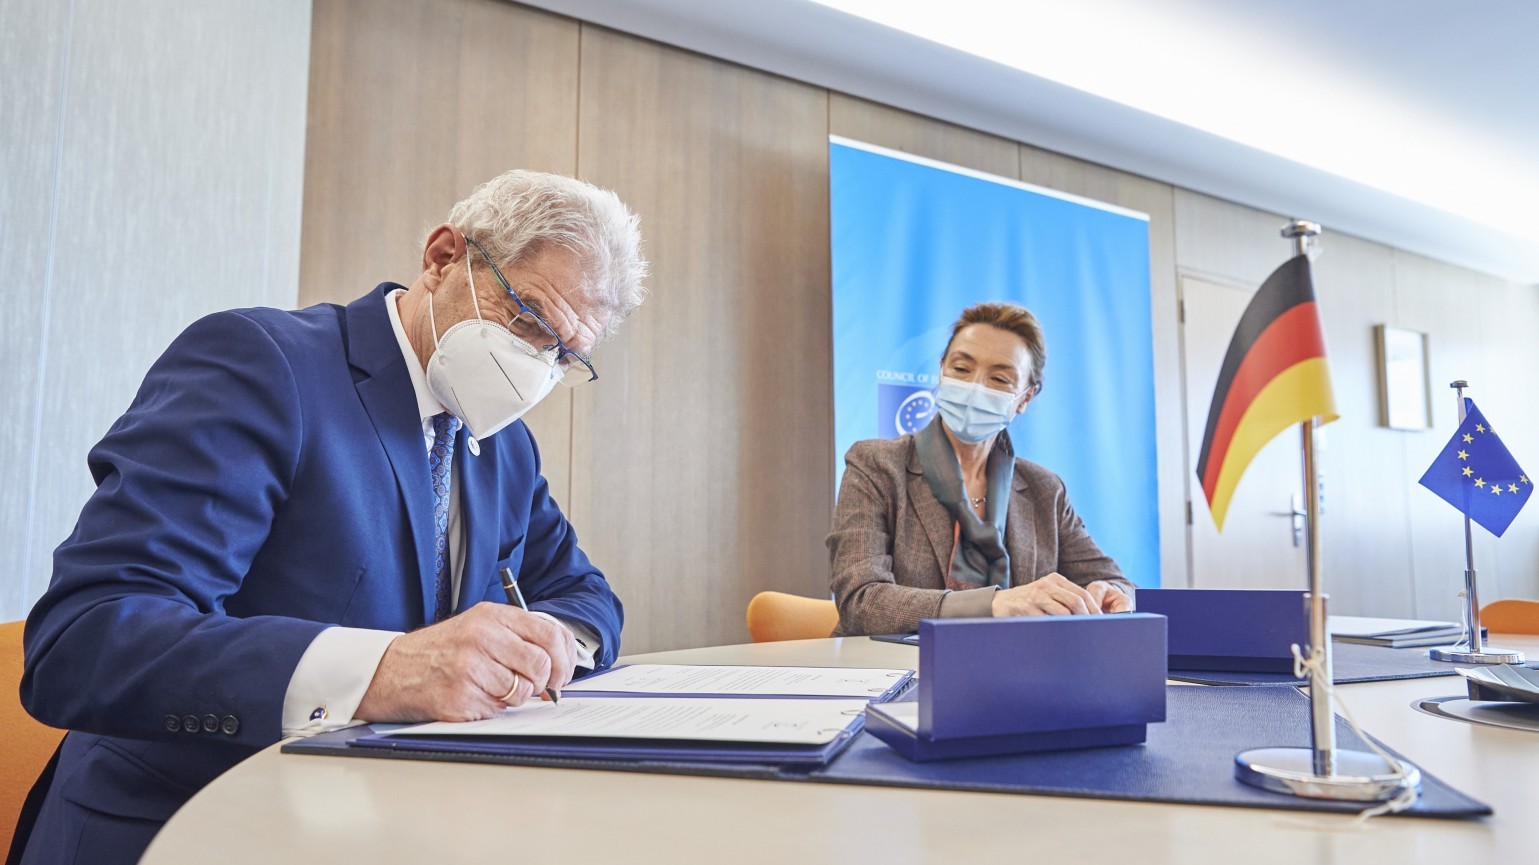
{"points": [[1110, 598], [1052, 595]]}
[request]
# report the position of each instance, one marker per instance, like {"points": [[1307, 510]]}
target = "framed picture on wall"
{"points": [[1405, 400]]}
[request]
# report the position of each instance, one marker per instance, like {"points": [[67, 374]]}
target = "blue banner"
{"points": [[914, 242]]}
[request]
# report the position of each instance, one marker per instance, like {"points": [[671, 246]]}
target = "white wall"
{"points": [[151, 170]]}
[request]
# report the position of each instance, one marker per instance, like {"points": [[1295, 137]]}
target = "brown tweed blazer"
{"points": [[892, 539]]}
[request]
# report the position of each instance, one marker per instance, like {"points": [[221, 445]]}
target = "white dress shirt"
{"points": [[336, 669]]}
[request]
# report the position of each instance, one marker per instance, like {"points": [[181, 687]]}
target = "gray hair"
{"points": [[516, 213]]}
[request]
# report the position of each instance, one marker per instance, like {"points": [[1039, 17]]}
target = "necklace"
{"points": [[979, 500]]}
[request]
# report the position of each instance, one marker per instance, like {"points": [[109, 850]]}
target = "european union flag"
{"points": [[1477, 475]]}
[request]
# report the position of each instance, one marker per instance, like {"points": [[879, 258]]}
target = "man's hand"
{"points": [[459, 669], [1052, 595], [1109, 598]]}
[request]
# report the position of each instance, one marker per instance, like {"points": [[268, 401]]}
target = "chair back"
{"points": [[28, 744], [1511, 616], [776, 616]]}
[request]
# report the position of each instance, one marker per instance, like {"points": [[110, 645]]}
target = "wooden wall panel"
{"points": [[414, 103], [1442, 301], [1067, 174], [702, 460], [1367, 554], [1221, 241], [170, 196], [1508, 322], [879, 124]]}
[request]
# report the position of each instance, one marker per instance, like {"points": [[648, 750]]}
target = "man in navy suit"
{"points": [[300, 521]]}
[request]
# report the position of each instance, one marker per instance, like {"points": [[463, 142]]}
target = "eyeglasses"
{"points": [[529, 326]]}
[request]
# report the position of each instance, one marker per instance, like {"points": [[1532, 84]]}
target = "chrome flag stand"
{"points": [[1322, 771], [1470, 650]]}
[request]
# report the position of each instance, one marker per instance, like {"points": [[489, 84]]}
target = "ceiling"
{"points": [[1408, 122]]}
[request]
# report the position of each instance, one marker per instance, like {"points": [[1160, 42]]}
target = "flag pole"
{"points": [[1322, 729], [1470, 649], [1320, 771]]}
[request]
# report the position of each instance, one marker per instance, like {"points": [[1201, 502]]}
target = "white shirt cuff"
{"points": [[587, 641], [331, 679]]}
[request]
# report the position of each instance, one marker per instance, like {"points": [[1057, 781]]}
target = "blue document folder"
{"points": [[688, 761], [1350, 663], [1001, 686], [612, 750], [1239, 630]]}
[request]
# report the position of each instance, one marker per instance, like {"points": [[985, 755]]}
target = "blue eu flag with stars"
{"points": [[1477, 475]]}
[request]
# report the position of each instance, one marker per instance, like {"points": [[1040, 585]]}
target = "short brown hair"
{"points": [[1011, 318]]}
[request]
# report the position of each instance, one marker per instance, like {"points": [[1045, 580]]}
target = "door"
{"points": [[1262, 544]]}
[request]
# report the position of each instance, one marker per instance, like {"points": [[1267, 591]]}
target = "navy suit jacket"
{"points": [[269, 479]]}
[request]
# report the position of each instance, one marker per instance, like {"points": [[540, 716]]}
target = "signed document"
{"points": [[688, 679], [782, 721]]}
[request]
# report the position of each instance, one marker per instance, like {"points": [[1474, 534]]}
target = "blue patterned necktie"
{"points": [[445, 425]]}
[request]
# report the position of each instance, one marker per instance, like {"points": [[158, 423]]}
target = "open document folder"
{"points": [[767, 715], [733, 730]]}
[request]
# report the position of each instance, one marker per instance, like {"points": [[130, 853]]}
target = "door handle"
{"points": [[1298, 515]]}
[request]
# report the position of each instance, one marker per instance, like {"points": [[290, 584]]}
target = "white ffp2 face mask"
{"points": [[483, 374]]}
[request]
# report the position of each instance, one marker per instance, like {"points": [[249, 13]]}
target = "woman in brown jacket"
{"points": [[947, 521]]}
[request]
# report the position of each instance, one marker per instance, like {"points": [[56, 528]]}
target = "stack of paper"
{"points": [[1395, 633]]}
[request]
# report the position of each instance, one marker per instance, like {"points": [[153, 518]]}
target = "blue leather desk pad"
{"points": [[1189, 759], [1350, 662]]}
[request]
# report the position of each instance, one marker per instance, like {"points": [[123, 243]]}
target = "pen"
{"points": [[515, 597]]}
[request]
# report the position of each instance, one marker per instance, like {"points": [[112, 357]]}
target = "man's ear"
{"points": [[445, 245]]}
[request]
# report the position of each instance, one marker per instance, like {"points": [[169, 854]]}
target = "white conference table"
{"points": [[298, 808]]}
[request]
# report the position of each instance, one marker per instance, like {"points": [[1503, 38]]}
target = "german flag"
{"points": [[1274, 376]]}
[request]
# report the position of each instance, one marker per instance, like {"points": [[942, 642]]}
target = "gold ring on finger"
{"points": [[516, 682]]}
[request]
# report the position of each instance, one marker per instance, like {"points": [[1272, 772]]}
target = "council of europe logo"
{"points": [[902, 409]]}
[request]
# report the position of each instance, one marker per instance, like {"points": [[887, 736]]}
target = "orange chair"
{"points": [[1511, 617], [776, 616], [28, 744]]}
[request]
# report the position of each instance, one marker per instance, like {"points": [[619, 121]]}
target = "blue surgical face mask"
{"points": [[971, 411]]}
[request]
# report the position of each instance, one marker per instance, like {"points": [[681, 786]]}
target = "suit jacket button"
{"points": [[190, 723], [230, 725], [210, 723], [173, 723]]}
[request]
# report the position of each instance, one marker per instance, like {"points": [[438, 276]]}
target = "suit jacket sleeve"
{"points": [[1080, 559], [869, 598], [556, 576], [132, 629]]}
